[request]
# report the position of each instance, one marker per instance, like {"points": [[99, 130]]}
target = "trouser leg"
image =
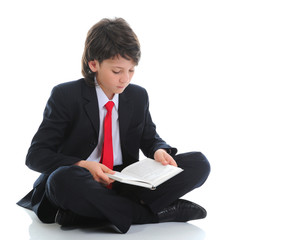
{"points": [[196, 170], [73, 188]]}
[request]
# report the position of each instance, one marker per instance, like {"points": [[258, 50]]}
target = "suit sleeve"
{"points": [[151, 141], [44, 153]]}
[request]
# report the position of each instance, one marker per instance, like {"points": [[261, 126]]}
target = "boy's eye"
{"points": [[118, 72]]}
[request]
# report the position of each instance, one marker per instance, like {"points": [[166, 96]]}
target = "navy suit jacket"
{"points": [[69, 133]]}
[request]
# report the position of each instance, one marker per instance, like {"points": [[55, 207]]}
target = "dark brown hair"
{"points": [[107, 39]]}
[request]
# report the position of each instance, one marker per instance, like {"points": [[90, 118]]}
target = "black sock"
{"points": [[142, 214]]}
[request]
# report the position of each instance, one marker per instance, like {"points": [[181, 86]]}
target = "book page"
{"points": [[121, 177], [150, 170]]}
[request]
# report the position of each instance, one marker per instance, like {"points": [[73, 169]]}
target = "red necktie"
{"points": [[107, 151]]}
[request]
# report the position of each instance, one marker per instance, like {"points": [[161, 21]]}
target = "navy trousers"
{"points": [[73, 188]]}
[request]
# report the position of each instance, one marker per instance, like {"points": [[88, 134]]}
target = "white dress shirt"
{"points": [[96, 154]]}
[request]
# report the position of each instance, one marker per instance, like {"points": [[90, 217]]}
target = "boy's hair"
{"points": [[107, 39]]}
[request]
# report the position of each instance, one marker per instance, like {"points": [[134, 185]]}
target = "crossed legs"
{"points": [[73, 188]]}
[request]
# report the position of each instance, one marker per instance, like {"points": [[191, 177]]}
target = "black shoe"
{"points": [[67, 218], [181, 211]]}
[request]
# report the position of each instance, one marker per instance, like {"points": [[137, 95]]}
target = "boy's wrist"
{"points": [[80, 163]]}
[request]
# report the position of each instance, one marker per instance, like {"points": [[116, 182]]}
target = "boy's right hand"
{"points": [[98, 171]]}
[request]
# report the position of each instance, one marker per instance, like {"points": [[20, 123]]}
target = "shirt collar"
{"points": [[103, 99]]}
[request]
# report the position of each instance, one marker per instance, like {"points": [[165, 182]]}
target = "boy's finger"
{"points": [[104, 178], [107, 170], [171, 161]]}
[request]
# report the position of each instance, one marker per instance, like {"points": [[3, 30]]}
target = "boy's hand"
{"points": [[98, 171], [164, 158]]}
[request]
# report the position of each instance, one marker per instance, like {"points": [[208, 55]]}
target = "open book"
{"points": [[146, 173]]}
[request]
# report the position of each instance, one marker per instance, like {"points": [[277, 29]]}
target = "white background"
{"points": [[215, 72]]}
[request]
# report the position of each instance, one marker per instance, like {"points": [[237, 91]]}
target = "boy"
{"points": [[98, 124]]}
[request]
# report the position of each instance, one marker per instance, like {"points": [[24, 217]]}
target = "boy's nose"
{"points": [[125, 78]]}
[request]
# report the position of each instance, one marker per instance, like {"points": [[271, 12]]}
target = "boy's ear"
{"points": [[94, 65]]}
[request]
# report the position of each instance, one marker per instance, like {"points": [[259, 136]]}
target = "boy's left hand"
{"points": [[164, 158]]}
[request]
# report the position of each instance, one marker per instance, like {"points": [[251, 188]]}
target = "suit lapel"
{"points": [[125, 113], [92, 110], [92, 107]]}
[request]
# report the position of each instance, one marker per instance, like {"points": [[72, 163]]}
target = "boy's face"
{"points": [[113, 75]]}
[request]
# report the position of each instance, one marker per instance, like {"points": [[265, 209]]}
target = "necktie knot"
{"points": [[109, 106]]}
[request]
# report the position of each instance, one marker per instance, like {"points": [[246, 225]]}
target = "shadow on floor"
{"points": [[166, 231]]}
